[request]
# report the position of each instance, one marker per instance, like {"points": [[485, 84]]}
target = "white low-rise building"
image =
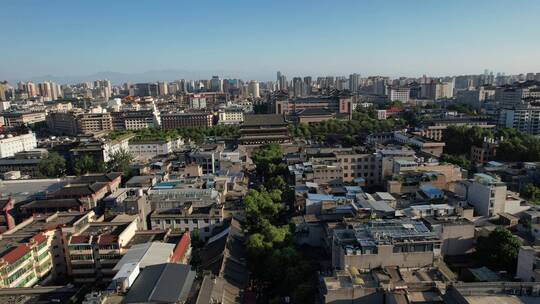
{"points": [[9, 144], [147, 149], [230, 116]]}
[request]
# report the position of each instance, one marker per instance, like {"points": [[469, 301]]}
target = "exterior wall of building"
{"points": [[94, 261], [528, 262], [230, 117], [487, 200], [147, 150], [22, 119], [10, 145], [62, 123], [354, 295], [204, 224], [457, 239], [385, 257], [359, 165], [89, 123], [178, 120], [33, 262]]}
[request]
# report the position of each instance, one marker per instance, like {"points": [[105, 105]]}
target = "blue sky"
{"points": [[257, 38]]}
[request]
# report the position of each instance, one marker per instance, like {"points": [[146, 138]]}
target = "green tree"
{"points": [[499, 250], [462, 108], [120, 161], [54, 165], [87, 164], [460, 139], [269, 161], [531, 193], [459, 160], [259, 206]]}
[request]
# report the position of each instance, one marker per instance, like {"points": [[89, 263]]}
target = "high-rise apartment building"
{"points": [[354, 82], [216, 84], [298, 87], [253, 89]]}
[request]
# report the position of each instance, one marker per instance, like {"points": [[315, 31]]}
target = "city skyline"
{"points": [[248, 40]]}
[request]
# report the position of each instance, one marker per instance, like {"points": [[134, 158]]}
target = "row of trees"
{"points": [[349, 132], [271, 170], [459, 160], [278, 266], [513, 146], [462, 108], [54, 165], [196, 134]]}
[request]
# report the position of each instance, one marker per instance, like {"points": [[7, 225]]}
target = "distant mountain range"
{"points": [[149, 76]]}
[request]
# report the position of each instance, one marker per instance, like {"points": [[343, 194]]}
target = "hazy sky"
{"points": [[257, 38]]}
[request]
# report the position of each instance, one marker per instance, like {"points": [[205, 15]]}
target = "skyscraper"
{"points": [[216, 84], [298, 87], [31, 89], [307, 85], [163, 89], [253, 89], [354, 82], [282, 81], [379, 85]]}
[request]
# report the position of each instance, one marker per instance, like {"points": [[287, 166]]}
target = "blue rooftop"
{"points": [[321, 197], [431, 191]]}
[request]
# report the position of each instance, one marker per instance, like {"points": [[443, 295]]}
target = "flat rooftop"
{"points": [[385, 232], [22, 234], [21, 190]]}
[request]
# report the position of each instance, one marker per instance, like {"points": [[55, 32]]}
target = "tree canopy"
{"points": [[531, 193], [54, 165], [120, 161], [350, 132], [499, 250], [460, 139], [87, 164], [196, 134], [459, 160], [276, 263], [513, 144]]}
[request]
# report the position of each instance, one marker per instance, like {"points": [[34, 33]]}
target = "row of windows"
{"points": [[16, 264], [366, 174], [185, 221], [360, 167], [80, 247], [17, 274], [364, 159], [25, 281], [81, 257]]}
